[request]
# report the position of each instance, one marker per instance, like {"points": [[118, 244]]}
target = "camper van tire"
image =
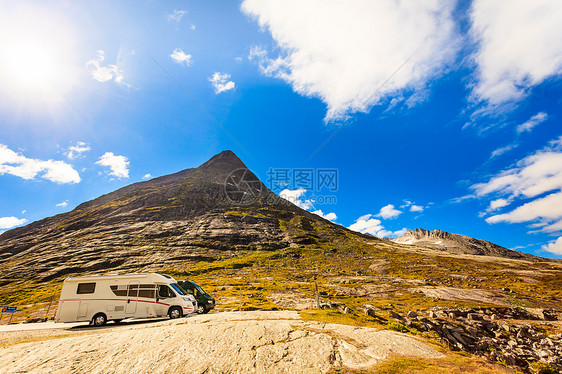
{"points": [[99, 319], [175, 312], [201, 309]]}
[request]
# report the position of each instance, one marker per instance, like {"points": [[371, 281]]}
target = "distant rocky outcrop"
{"points": [[460, 244]]}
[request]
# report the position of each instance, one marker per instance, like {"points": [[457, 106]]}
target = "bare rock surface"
{"points": [[292, 300], [249, 342]]}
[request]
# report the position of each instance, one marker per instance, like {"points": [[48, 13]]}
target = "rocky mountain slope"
{"points": [[459, 244], [188, 216]]}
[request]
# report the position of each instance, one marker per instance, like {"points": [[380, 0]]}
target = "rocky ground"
{"points": [[513, 337], [249, 342]]}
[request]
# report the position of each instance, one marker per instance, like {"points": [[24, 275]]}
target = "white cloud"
{"points": [[532, 122], [76, 150], [354, 55], [398, 233], [295, 197], [23, 211], [458, 200], [63, 204], [367, 225], [147, 176], [418, 97], [538, 179], [192, 27], [28, 168], [413, 207], [416, 208], [548, 208], [105, 73], [519, 46], [181, 57], [221, 83], [119, 165], [554, 246], [329, 216], [388, 212], [500, 151], [406, 204], [553, 227], [177, 15], [298, 197], [497, 204], [535, 174], [10, 222]]}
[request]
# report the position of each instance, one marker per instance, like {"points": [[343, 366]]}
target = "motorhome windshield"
{"points": [[178, 289], [200, 290]]}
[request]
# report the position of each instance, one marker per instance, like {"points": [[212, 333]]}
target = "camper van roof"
{"points": [[119, 276]]}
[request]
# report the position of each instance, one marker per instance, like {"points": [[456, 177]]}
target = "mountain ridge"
{"points": [[460, 244]]}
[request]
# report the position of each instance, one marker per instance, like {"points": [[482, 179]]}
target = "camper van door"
{"points": [[164, 295], [132, 297]]}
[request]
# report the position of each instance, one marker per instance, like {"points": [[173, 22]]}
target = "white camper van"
{"points": [[99, 299]]}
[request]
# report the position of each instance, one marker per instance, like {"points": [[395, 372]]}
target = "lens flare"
{"points": [[36, 56]]}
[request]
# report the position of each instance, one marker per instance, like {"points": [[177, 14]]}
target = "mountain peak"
{"points": [[224, 155], [224, 162], [459, 244]]}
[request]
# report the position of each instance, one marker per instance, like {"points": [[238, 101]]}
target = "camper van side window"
{"points": [[119, 292], [147, 291], [86, 288], [133, 290], [165, 292]]}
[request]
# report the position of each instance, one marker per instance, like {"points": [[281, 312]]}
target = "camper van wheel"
{"points": [[175, 312], [99, 319], [201, 309]]}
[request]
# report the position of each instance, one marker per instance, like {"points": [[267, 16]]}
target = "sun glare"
{"points": [[35, 61], [31, 66]]}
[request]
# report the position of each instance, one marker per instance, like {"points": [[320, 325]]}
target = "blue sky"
{"points": [[437, 114]]}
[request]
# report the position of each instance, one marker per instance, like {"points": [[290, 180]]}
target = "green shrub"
{"points": [[397, 326]]}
